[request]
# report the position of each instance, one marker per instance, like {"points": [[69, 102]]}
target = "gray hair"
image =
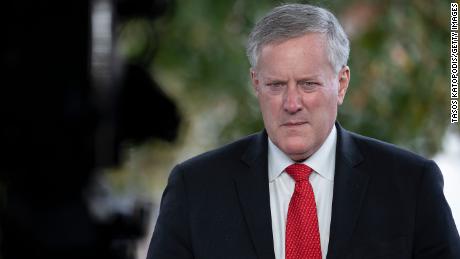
{"points": [[294, 20]]}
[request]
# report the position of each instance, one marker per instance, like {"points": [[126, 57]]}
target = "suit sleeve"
{"points": [[435, 234], [171, 237]]}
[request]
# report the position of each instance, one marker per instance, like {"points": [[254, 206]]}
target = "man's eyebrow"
{"points": [[309, 77], [274, 79], [271, 78]]}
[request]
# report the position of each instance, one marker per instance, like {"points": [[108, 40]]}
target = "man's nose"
{"points": [[292, 102]]}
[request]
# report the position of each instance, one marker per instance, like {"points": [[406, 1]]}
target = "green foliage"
{"points": [[399, 89], [399, 61]]}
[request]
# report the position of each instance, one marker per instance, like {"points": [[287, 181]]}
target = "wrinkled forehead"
{"points": [[314, 43]]}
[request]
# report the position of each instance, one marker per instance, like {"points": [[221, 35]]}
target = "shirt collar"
{"points": [[322, 161]]}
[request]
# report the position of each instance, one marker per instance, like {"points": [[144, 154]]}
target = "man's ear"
{"points": [[344, 80]]}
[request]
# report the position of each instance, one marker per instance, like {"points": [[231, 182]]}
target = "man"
{"points": [[304, 187]]}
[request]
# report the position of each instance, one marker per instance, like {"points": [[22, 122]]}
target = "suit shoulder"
{"points": [[386, 151], [391, 165]]}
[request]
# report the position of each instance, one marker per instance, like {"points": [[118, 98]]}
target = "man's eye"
{"points": [[275, 86], [308, 85]]}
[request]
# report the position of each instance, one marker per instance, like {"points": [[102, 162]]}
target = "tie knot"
{"points": [[299, 172]]}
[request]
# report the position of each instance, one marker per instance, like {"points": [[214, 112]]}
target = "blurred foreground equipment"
{"points": [[68, 103]]}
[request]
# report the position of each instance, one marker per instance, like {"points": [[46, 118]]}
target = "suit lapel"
{"points": [[350, 186], [253, 192]]}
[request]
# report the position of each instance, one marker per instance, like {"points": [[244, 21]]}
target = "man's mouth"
{"points": [[294, 123]]}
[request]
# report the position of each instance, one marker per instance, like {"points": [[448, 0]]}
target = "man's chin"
{"points": [[299, 157], [297, 151]]}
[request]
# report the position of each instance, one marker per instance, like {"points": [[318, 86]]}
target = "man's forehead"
{"points": [[276, 75], [311, 46], [319, 36]]}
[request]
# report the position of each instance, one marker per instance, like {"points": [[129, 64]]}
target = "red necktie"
{"points": [[302, 231]]}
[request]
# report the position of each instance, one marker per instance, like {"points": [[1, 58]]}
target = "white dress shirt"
{"points": [[282, 187]]}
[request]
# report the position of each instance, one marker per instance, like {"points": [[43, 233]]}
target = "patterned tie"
{"points": [[302, 231]]}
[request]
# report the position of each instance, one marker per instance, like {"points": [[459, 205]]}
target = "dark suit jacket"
{"points": [[387, 203]]}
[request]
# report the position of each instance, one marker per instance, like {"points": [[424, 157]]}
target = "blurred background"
{"points": [[102, 98]]}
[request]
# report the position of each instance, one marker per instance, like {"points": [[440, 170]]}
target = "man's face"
{"points": [[298, 93]]}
